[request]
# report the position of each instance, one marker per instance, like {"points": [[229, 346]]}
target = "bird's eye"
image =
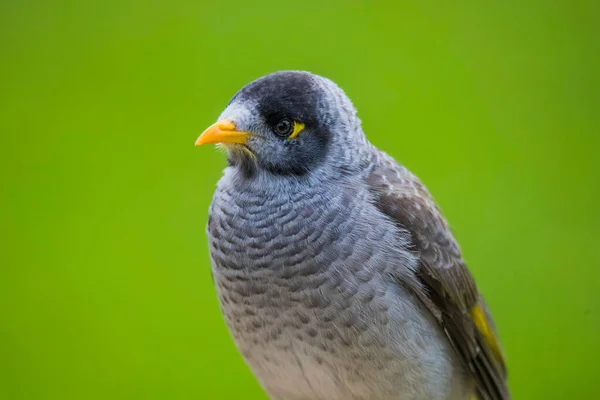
{"points": [[284, 127]]}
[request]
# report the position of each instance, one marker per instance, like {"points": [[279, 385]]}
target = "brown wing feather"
{"points": [[452, 294]]}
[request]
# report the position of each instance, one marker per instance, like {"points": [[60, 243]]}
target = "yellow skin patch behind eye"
{"points": [[478, 316], [298, 127]]}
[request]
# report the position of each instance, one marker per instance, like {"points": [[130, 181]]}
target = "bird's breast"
{"points": [[298, 260], [303, 281]]}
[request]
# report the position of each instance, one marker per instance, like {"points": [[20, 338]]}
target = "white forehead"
{"points": [[241, 113]]}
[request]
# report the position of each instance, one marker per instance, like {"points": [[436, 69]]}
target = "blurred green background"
{"points": [[105, 291]]}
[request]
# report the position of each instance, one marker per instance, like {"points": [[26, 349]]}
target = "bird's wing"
{"points": [[450, 291]]}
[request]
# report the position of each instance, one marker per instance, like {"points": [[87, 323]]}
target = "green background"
{"points": [[105, 290]]}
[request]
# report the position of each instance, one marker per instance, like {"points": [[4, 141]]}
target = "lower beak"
{"points": [[223, 131]]}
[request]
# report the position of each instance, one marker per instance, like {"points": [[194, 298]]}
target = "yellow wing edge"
{"points": [[481, 322]]}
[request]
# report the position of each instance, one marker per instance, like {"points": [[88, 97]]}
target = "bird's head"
{"points": [[288, 123]]}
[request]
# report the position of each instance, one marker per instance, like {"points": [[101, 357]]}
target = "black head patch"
{"points": [[295, 96]]}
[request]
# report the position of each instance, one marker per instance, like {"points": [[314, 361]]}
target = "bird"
{"points": [[337, 274]]}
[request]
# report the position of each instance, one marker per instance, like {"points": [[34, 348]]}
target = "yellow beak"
{"points": [[223, 131]]}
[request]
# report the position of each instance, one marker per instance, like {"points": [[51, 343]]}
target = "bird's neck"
{"points": [[266, 184]]}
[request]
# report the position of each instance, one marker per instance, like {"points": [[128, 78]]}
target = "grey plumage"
{"points": [[336, 274]]}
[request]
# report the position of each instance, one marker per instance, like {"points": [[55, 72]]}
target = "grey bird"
{"points": [[337, 275]]}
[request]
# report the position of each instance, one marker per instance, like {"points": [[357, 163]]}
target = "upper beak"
{"points": [[223, 131]]}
